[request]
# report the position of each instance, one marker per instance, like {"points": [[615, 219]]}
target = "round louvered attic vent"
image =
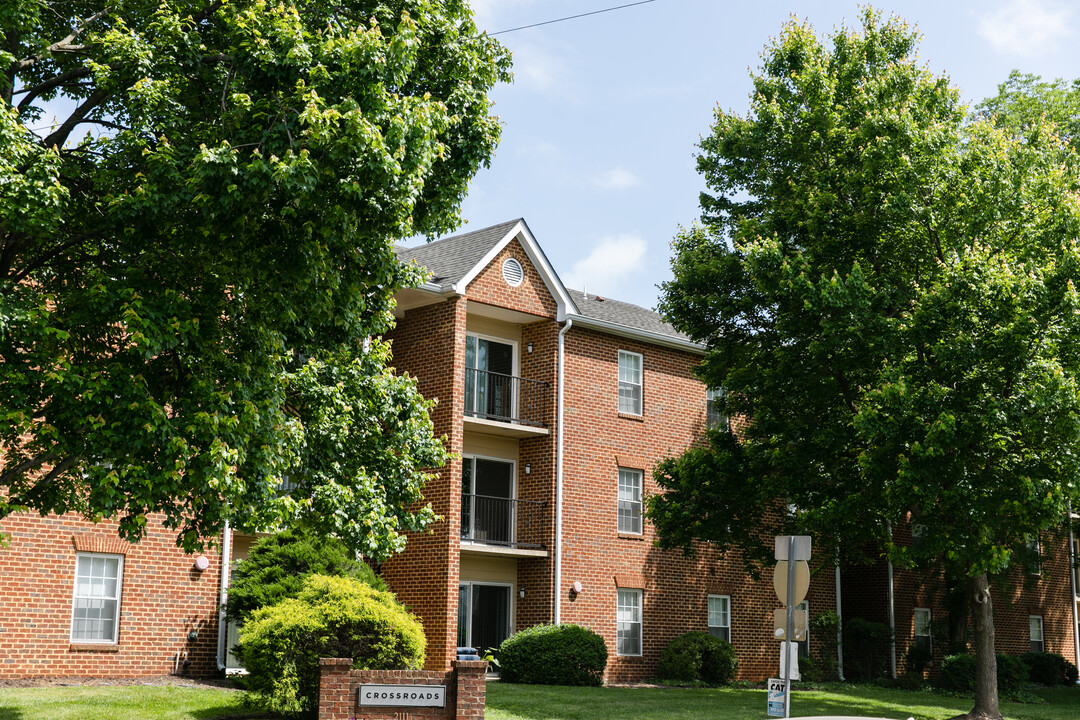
{"points": [[513, 274]]}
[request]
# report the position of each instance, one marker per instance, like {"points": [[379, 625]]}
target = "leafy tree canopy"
{"points": [[888, 294], [1024, 100], [196, 257], [277, 566]]}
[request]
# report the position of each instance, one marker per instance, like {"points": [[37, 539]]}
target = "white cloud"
{"points": [[617, 179], [610, 263], [1027, 27]]}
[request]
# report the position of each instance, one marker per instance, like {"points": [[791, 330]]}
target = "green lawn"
{"points": [[133, 702], [525, 702], [530, 702]]}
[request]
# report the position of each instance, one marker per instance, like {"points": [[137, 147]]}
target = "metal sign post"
{"points": [[795, 549]]}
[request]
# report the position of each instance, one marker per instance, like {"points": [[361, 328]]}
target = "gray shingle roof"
{"points": [[451, 258], [625, 314]]}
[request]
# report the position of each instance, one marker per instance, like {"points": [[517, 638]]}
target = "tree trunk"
{"points": [[982, 615]]}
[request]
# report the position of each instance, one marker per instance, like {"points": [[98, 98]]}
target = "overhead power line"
{"points": [[571, 17]]}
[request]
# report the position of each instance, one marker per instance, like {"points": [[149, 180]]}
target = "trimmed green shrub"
{"points": [[277, 565], [958, 673], [280, 645], [698, 657], [1049, 668], [553, 655]]}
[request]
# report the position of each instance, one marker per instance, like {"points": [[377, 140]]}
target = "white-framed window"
{"points": [[630, 372], [923, 639], [720, 616], [1033, 561], [630, 482], [628, 623], [804, 644], [1035, 629], [714, 417], [95, 605]]}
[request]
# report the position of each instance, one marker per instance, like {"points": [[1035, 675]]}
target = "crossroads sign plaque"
{"points": [[402, 696]]}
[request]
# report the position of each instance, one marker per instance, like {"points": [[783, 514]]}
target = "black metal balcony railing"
{"points": [[502, 521], [495, 396]]}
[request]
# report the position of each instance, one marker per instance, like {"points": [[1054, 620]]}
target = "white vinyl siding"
{"points": [[95, 607], [628, 623], [630, 501], [630, 372], [720, 616]]}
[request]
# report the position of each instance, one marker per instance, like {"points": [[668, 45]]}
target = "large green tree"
{"points": [[888, 295], [198, 200]]}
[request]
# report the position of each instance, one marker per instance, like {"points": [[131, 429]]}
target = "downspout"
{"points": [[839, 629], [1072, 582], [223, 595], [892, 618], [559, 473]]}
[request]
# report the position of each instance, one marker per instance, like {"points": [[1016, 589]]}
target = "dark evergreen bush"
{"points": [[698, 657], [553, 655], [280, 645], [866, 649], [277, 565], [958, 674], [1049, 668]]}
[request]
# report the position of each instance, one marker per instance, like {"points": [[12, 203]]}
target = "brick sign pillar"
{"points": [[339, 688], [336, 702]]}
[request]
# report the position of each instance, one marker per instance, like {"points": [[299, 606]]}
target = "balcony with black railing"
{"points": [[503, 522], [498, 398]]}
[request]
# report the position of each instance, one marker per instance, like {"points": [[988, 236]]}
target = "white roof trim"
{"points": [[521, 232], [636, 334]]}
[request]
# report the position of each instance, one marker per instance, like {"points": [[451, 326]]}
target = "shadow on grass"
{"points": [[10, 713]]}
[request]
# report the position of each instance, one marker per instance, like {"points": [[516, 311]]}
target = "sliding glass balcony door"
{"points": [[487, 508], [489, 378]]}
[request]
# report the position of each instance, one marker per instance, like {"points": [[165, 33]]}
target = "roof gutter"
{"points": [[636, 334], [557, 615]]}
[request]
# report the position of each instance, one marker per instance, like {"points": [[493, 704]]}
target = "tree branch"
{"points": [[35, 91], [59, 137], [25, 465], [63, 45]]}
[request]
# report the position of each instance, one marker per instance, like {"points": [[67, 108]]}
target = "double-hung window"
{"points": [[628, 623], [1033, 559], [714, 417], [95, 607], [1035, 628], [630, 482], [630, 372], [720, 616], [923, 640]]}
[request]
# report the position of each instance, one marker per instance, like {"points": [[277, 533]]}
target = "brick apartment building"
{"points": [[558, 405]]}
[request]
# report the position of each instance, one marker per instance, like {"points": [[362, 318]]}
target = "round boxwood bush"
{"points": [[276, 566], [553, 655], [280, 645], [1049, 668], [958, 673], [698, 657]]}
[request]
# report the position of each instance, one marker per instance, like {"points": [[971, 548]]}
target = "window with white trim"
{"points": [[1035, 629], [1033, 561], [95, 606], [720, 616], [923, 639], [714, 417], [630, 482], [630, 371], [628, 623]]}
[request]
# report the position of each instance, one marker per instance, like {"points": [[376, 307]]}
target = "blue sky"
{"points": [[601, 122]]}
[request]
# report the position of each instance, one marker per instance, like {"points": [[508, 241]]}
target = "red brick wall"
{"points": [[428, 343], [531, 296], [162, 599], [598, 441]]}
